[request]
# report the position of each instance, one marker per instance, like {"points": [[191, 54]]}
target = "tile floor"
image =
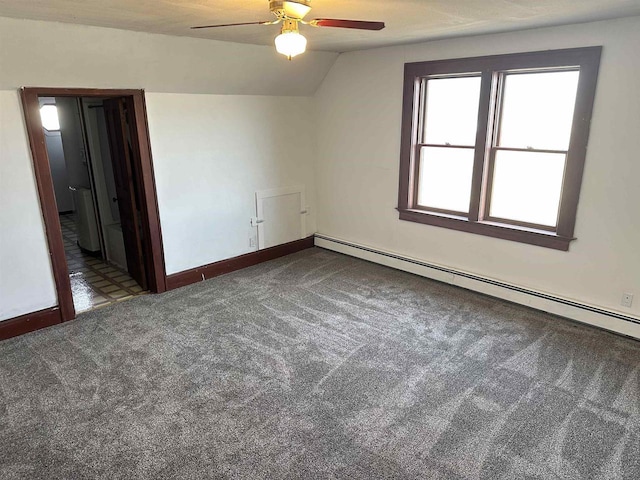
{"points": [[94, 282]]}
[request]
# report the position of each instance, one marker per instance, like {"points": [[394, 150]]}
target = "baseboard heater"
{"points": [[605, 319]]}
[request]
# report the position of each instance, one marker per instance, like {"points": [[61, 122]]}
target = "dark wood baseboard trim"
{"points": [[211, 270], [29, 322], [52, 316]]}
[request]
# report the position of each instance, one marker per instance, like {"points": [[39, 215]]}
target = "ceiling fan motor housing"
{"points": [[295, 9]]}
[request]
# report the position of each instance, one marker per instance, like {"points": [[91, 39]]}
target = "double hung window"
{"points": [[496, 145]]}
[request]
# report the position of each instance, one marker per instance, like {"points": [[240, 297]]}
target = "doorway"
{"points": [[95, 180]]}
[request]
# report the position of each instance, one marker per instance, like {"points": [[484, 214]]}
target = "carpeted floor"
{"points": [[318, 365]]}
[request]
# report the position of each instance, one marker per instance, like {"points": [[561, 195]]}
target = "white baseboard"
{"points": [[596, 316]]}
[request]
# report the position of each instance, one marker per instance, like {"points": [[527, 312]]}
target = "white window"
{"points": [[49, 116]]}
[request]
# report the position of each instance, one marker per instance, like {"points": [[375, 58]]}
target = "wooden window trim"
{"points": [[477, 221]]}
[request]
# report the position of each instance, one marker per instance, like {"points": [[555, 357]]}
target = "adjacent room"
{"points": [[88, 143], [319, 239]]}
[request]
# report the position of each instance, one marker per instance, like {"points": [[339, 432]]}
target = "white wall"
{"points": [[359, 114], [211, 153], [239, 145], [75, 154], [26, 280], [59, 175]]}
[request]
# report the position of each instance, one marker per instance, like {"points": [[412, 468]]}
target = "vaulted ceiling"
{"points": [[407, 20]]}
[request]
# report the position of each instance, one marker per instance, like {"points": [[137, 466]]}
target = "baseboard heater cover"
{"points": [[605, 319]]}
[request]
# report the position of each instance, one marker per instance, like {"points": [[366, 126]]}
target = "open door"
{"points": [[127, 177]]}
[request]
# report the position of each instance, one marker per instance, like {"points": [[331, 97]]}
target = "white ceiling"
{"points": [[407, 20]]}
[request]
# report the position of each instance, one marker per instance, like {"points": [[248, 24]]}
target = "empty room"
{"points": [[309, 239]]}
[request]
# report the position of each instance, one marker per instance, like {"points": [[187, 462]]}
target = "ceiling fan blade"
{"points": [[234, 24], [358, 24]]}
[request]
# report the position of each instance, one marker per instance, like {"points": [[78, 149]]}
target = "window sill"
{"points": [[513, 233]]}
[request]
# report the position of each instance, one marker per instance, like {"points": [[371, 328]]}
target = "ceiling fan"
{"points": [[292, 12]]}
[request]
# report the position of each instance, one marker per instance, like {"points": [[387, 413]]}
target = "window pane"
{"points": [[527, 186], [537, 110], [445, 178], [451, 114], [49, 116]]}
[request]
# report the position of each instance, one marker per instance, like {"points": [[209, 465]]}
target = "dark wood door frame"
{"points": [[42, 170]]}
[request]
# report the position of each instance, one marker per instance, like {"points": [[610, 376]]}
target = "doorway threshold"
{"points": [[94, 283]]}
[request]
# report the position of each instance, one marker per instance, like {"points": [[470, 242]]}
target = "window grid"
{"points": [[421, 134], [498, 100]]}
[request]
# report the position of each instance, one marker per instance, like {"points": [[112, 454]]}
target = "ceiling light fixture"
{"points": [[292, 12], [290, 43]]}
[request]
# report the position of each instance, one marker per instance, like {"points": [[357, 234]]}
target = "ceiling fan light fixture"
{"points": [[291, 12], [290, 43]]}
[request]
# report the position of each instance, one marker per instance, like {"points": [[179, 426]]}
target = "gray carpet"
{"points": [[318, 365]]}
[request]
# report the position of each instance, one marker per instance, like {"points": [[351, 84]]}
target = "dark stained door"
{"points": [[127, 186]]}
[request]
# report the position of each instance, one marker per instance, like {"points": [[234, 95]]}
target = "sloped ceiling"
{"points": [[407, 20], [51, 54]]}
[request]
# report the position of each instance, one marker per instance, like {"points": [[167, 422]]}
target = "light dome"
{"points": [[291, 44]]}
